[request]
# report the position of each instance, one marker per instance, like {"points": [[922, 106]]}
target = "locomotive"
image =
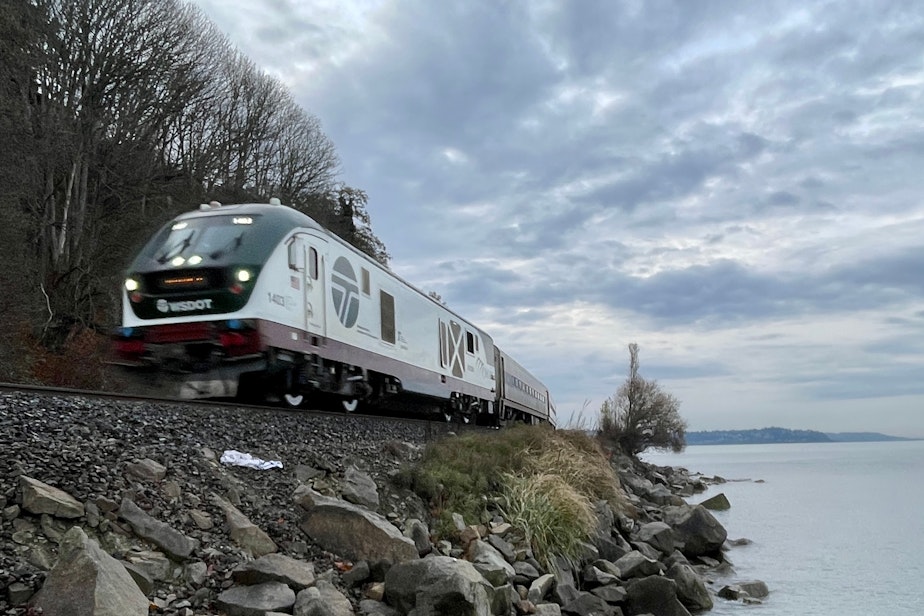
{"points": [[260, 302]]}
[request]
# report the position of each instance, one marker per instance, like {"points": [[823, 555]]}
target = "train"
{"points": [[259, 302]]}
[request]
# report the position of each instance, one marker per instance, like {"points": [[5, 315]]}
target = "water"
{"points": [[837, 528]]}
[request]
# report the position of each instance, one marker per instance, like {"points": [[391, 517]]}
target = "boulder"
{"points": [[502, 599], [541, 587], [635, 564], [592, 577], [647, 550], [171, 541], [502, 546], [256, 600], [371, 607], [322, 599], [587, 603], [696, 529], [654, 595], [276, 568], [39, 498], [691, 589], [438, 585], [524, 572], [350, 531], [612, 594], [611, 548], [142, 578], [359, 488], [358, 574], [418, 532], [662, 495], [490, 563], [754, 589], [155, 564], [719, 502], [244, 532], [658, 535], [89, 582]]}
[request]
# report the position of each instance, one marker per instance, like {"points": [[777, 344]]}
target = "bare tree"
{"points": [[641, 415], [114, 73]]}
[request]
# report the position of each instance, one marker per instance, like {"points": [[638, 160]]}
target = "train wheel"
{"points": [[350, 404], [295, 401]]}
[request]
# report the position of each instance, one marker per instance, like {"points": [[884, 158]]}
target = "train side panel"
{"points": [[334, 302], [522, 396]]}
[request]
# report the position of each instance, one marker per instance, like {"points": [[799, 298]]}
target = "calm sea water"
{"points": [[837, 528]]}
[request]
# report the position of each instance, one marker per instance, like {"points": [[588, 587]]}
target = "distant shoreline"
{"points": [[774, 435]]}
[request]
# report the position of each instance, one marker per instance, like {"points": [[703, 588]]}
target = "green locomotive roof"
{"points": [[216, 234]]}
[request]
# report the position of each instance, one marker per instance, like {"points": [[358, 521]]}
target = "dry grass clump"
{"points": [[544, 482], [579, 460], [551, 515]]}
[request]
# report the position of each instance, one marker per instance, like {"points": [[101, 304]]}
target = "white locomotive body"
{"points": [[258, 300]]}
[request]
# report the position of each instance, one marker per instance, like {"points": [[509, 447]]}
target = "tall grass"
{"points": [[551, 515], [544, 482]]}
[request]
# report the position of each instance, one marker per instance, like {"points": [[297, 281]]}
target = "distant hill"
{"points": [[863, 437], [782, 435]]}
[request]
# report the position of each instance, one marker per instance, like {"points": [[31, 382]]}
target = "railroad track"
{"points": [[434, 427]]}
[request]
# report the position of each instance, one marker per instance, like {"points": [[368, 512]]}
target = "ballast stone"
{"points": [[244, 532], [276, 568], [171, 541], [256, 600], [359, 488], [147, 470], [39, 498]]}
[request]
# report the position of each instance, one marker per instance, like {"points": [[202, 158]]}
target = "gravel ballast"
{"points": [[164, 458]]}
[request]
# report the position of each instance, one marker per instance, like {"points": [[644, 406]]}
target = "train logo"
{"points": [[345, 292]]}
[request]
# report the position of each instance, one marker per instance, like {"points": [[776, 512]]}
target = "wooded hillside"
{"points": [[116, 115]]}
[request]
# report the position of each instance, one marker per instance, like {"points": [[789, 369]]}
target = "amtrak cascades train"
{"points": [[260, 302]]}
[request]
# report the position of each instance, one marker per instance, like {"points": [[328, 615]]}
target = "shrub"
{"points": [[641, 415], [79, 361]]}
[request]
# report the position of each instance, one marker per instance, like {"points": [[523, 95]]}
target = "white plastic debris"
{"points": [[237, 458]]}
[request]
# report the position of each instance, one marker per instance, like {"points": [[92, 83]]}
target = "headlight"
{"points": [[242, 275], [131, 285]]}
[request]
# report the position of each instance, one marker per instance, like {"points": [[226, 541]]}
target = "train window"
{"points": [[387, 303], [444, 344], [470, 342], [313, 263], [366, 285], [296, 256]]}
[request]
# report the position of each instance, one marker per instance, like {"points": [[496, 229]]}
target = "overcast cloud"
{"points": [[738, 187]]}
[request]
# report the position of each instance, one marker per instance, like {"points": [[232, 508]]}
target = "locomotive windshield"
{"points": [[205, 240]]}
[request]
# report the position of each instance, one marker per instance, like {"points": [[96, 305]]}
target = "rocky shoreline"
{"points": [[128, 507]]}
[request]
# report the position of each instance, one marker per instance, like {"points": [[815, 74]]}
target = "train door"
{"points": [[499, 385], [315, 304], [313, 251]]}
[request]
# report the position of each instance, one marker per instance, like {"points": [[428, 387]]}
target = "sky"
{"points": [[737, 187]]}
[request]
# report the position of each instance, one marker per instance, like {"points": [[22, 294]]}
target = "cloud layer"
{"points": [[735, 187]]}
